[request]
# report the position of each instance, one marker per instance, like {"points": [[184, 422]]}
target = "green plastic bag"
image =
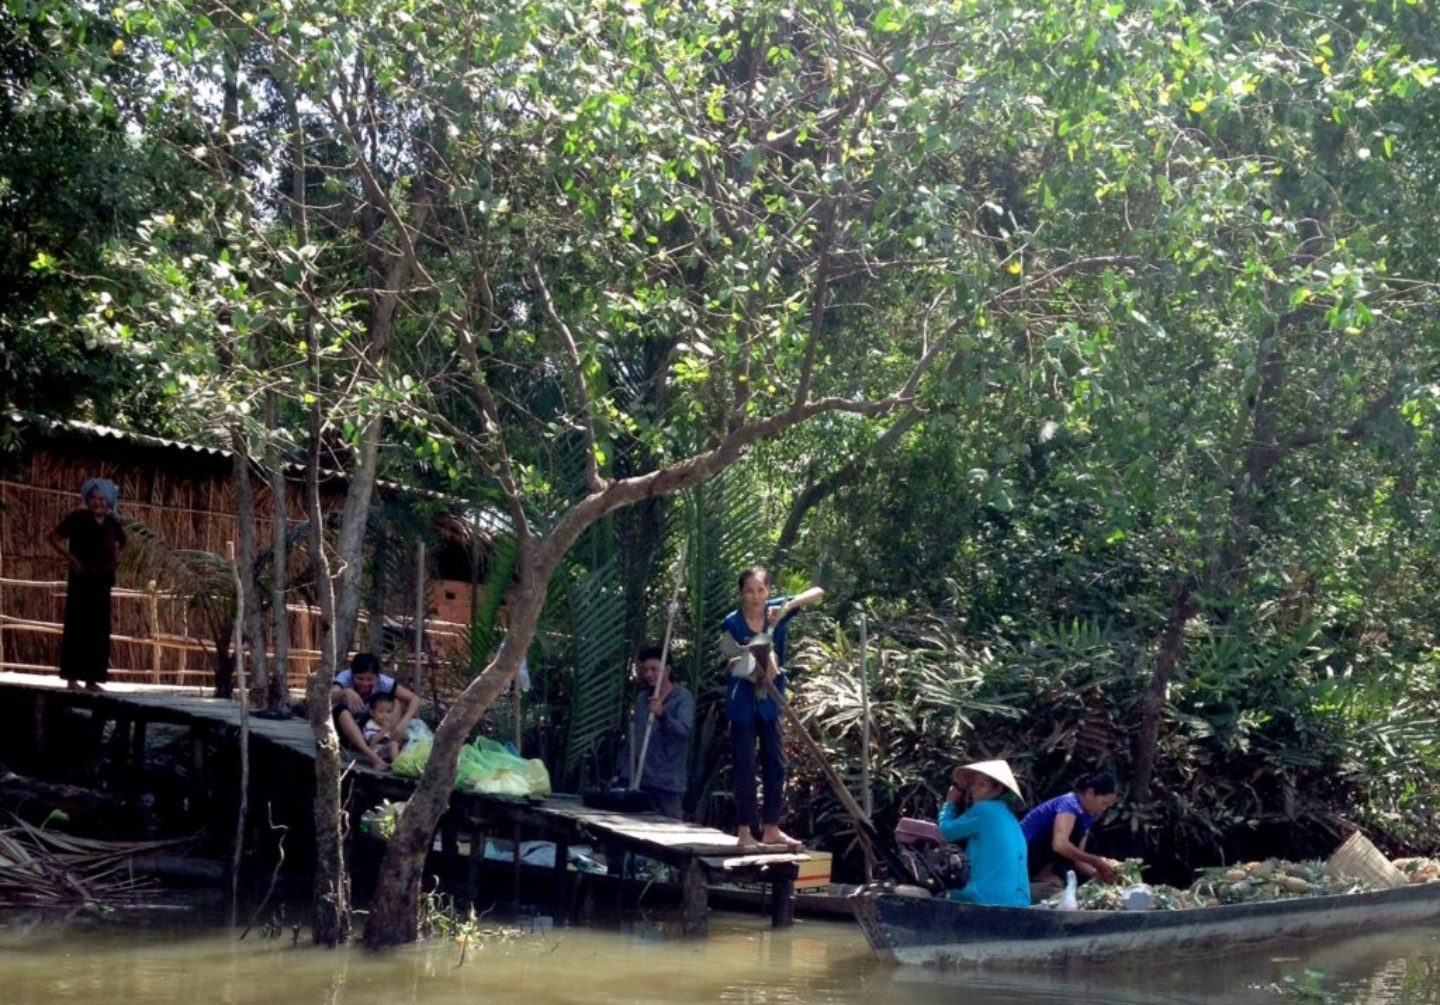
{"points": [[486, 766], [538, 776], [471, 769], [411, 762]]}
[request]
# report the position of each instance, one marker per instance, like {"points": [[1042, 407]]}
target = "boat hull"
{"points": [[944, 933]]}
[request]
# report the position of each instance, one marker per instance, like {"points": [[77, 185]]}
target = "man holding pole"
{"points": [[659, 737]]}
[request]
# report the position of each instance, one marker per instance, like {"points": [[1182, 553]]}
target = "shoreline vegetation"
{"points": [[1084, 353]]}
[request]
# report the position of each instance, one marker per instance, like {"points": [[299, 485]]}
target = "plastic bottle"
{"points": [[1068, 902]]}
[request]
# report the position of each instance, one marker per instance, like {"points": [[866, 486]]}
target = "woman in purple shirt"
{"points": [[1056, 831]]}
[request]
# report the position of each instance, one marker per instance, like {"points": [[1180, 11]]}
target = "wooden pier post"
{"points": [[450, 843], [695, 899], [782, 901], [562, 878], [152, 627], [134, 782], [198, 810], [515, 834], [39, 727], [476, 863]]}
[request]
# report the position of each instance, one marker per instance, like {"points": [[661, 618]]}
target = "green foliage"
{"points": [[723, 524], [71, 180], [1148, 293], [485, 619], [1265, 745], [598, 677]]}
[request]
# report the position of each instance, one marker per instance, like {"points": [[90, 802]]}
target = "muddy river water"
{"points": [[48, 961]]}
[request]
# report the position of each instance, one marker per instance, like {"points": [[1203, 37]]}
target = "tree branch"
{"points": [[593, 481], [1355, 431]]}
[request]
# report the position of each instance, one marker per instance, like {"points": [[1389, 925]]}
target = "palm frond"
{"points": [[597, 608], [725, 528], [485, 616], [203, 578]]}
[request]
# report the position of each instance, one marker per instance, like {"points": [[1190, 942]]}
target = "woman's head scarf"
{"points": [[105, 487]]}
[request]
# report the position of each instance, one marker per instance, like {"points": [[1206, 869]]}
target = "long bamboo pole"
{"points": [[670, 612], [243, 689], [417, 684], [152, 617], [865, 719]]}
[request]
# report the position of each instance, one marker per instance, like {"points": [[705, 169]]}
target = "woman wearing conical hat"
{"points": [[993, 841]]}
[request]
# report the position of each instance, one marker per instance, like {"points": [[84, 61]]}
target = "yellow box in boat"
{"points": [[814, 871]]}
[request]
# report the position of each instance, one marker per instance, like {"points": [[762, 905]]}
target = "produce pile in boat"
{"points": [[1419, 870], [1248, 882], [1272, 879]]}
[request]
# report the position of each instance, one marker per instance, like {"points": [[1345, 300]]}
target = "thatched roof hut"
{"points": [[179, 501]]}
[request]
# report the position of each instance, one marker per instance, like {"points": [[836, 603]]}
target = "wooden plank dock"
{"points": [[701, 855]]}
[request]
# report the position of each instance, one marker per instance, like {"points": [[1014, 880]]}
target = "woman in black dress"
{"points": [[91, 539]]}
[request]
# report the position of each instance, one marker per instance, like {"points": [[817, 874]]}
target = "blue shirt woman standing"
{"points": [[752, 713]]}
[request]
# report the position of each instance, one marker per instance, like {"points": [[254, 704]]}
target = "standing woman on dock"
{"points": [[752, 714], [90, 538]]}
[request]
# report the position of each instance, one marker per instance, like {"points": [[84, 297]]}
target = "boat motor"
{"points": [[931, 860]]}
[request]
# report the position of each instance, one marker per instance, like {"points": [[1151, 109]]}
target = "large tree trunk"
{"points": [[332, 923], [394, 911], [350, 541], [1172, 652]]}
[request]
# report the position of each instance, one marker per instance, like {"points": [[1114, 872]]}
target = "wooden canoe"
{"points": [[939, 932]]}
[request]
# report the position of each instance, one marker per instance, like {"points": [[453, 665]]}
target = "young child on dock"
{"points": [[350, 697], [380, 728]]}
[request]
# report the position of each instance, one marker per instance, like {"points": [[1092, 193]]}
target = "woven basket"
{"points": [[1357, 860]]}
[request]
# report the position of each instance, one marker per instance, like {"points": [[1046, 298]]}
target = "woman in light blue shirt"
{"points": [[993, 841]]}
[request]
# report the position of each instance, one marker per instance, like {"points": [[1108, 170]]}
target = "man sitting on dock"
{"points": [[350, 698], [665, 713]]}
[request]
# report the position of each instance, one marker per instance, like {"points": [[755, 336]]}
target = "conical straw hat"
{"points": [[998, 770]]}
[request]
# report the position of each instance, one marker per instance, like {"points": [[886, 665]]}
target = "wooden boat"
{"points": [[939, 932]]}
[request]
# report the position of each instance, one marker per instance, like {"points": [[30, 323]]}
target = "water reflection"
{"points": [[742, 962]]}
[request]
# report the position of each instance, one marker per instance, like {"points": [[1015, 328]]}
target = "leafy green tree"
{"points": [[556, 204], [1229, 426], [1132, 305], [71, 179]]}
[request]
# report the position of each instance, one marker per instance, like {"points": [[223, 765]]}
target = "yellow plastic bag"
{"points": [[503, 782], [538, 776]]}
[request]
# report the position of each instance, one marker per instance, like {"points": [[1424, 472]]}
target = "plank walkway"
{"points": [[701, 854]]}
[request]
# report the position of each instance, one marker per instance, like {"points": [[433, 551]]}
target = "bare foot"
{"points": [[774, 835], [92, 686], [72, 685], [746, 839]]}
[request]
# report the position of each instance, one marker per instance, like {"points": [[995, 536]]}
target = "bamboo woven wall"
{"points": [[184, 496]]}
